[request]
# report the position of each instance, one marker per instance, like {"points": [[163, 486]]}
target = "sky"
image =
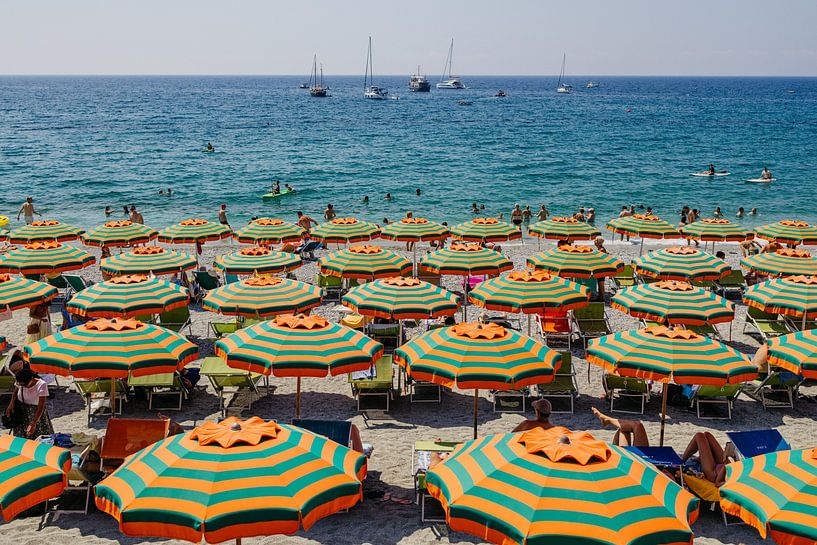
{"points": [[491, 37]]}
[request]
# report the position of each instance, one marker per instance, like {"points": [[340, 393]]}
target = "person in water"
{"points": [[718, 213], [222, 216], [418, 192], [108, 211], [388, 196], [288, 187], [365, 199], [28, 211], [766, 174], [526, 214], [329, 213], [753, 212], [543, 213], [474, 208], [305, 221], [711, 169], [210, 147], [741, 212], [276, 187]]}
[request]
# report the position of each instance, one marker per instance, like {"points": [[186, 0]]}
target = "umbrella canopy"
{"points": [[556, 486], [486, 230], [681, 263], [793, 296], [529, 293], [775, 493], [257, 260], [128, 296], [568, 229], [789, 232], [466, 259], [345, 230], [44, 230], [30, 473], [17, 293], [148, 259], [795, 352], [367, 262], [576, 262], [119, 233], [114, 348], [643, 225], [259, 296], [266, 231], [45, 257], [400, 298], [195, 230], [414, 230], [674, 302], [785, 262], [232, 480], [715, 230]]}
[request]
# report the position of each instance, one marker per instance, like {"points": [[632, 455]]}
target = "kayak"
{"points": [[761, 180], [268, 196], [706, 173]]}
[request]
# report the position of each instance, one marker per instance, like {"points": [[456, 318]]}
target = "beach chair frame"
{"points": [[382, 386], [773, 384], [617, 387], [563, 386], [163, 385], [766, 324], [714, 395], [100, 390]]}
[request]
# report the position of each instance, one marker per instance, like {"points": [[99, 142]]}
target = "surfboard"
{"points": [[761, 180], [269, 196], [707, 174]]}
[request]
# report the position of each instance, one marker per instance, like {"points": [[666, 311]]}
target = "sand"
{"points": [[388, 522]]}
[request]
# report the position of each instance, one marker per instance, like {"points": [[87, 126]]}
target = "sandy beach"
{"points": [[390, 522]]}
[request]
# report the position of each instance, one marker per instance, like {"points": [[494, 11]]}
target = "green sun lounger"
{"points": [[766, 324], [378, 385], [716, 395], [226, 380]]}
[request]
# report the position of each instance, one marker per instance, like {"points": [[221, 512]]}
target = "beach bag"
{"points": [[17, 416]]}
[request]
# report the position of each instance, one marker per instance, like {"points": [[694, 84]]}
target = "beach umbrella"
{"points": [[794, 296], [30, 473], [644, 226], [776, 494], [673, 302], [230, 480], [17, 293], [783, 262], [366, 262], [664, 354], [464, 259], [257, 260], [194, 231], [557, 486], [266, 231], [414, 230], [44, 230], [299, 346], [485, 230], [128, 296], [573, 261], [148, 260], [478, 356], [715, 230], [401, 298], [345, 230], [795, 352], [262, 297], [681, 263], [44, 257], [789, 232], [119, 233], [567, 229]]}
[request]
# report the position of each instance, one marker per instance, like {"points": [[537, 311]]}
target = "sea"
{"points": [[79, 144]]}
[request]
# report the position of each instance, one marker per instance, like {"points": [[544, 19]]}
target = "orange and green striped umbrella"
{"points": [[119, 233], [257, 260], [486, 230], [44, 230], [567, 229], [557, 486], [715, 230], [784, 262], [576, 262], [415, 230], [258, 296], [794, 296], [529, 293], [674, 302], [128, 296], [231, 480], [345, 230], [17, 293], [148, 260], [195, 230], [466, 259], [45, 257], [643, 225], [401, 298], [367, 262], [30, 473], [789, 232], [795, 352], [266, 231], [111, 348], [681, 263], [776, 494]]}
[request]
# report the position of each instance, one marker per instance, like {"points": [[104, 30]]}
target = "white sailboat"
{"points": [[450, 82], [562, 87], [370, 90]]}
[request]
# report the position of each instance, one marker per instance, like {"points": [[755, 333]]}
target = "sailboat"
{"points": [[370, 90], [450, 82], [308, 84], [563, 87], [317, 89], [418, 83]]}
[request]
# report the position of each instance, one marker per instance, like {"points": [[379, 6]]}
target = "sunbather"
{"points": [[542, 408], [712, 457], [629, 433]]}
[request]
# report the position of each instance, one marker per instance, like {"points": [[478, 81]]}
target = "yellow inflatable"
{"points": [[3, 220]]}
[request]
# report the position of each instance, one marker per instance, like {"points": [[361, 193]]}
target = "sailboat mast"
{"points": [[451, 58], [562, 73], [368, 65]]}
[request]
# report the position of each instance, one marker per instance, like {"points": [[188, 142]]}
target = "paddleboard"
{"points": [[707, 174], [761, 180], [205, 150], [269, 196]]}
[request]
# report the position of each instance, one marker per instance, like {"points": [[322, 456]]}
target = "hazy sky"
{"points": [[600, 37]]}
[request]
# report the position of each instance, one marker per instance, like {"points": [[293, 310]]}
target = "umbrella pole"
{"points": [[803, 327], [641, 249], [476, 408], [416, 272], [663, 412], [465, 301], [529, 316], [113, 398], [298, 398]]}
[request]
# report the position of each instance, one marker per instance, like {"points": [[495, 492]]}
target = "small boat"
{"points": [[272, 195], [592, 84], [562, 87], [370, 90], [501, 93], [450, 82], [761, 180], [318, 89], [303, 86], [418, 83], [465, 103]]}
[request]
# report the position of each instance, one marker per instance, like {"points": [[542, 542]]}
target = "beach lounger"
{"points": [[510, 401], [76, 283], [339, 431], [431, 278], [421, 391], [220, 329], [752, 443], [766, 324], [563, 385], [590, 322], [69, 320], [307, 251], [555, 326], [204, 282], [377, 384], [705, 284], [716, 395], [177, 320], [796, 324], [126, 436], [7, 381], [98, 392], [331, 287], [162, 385], [705, 330], [230, 278], [732, 283], [420, 460], [617, 387], [226, 380], [625, 278], [778, 389], [389, 335]]}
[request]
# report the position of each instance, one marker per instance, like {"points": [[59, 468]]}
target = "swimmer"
{"points": [[210, 147], [741, 212], [388, 196], [108, 211], [365, 199], [718, 213], [766, 174], [418, 192], [753, 212]]}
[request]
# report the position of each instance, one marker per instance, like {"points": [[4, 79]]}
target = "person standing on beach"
{"points": [[305, 221], [543, 213], [29, 397], [222, 216], [329, 213], [516, 216], [28, 211], [526, 214]]}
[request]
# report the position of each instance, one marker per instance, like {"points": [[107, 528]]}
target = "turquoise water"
{"points": [[78, 144]]}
